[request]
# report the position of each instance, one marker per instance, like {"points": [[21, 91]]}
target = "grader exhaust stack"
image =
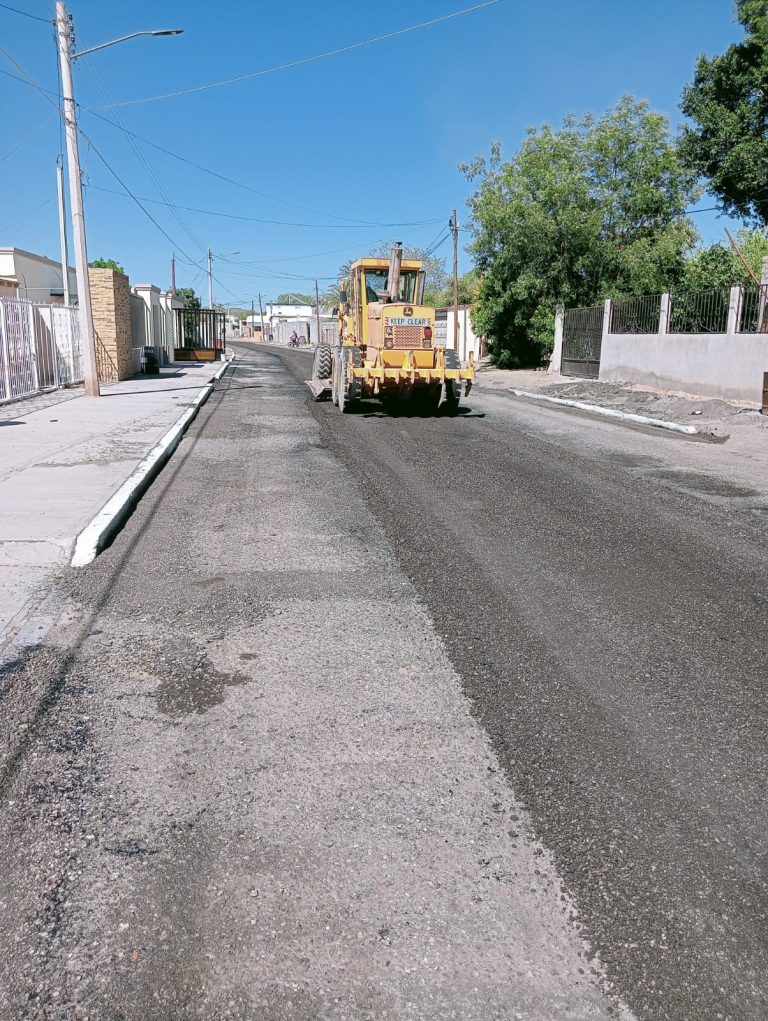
{"points": [[386, 342], [395, 265]]}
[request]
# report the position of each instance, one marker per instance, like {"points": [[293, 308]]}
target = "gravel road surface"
{"points": [[243, 778]]}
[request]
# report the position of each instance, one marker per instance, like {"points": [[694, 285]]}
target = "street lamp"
{"points": [[66, 56]]}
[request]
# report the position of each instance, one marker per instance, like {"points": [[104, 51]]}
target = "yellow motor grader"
{"points": [[386, 342]]}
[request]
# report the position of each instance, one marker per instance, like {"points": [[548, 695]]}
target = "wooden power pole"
{"points": [[261, 317], [455, 229]]}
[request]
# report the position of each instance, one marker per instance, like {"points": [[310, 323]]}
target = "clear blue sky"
{"points": [[375, 134]]}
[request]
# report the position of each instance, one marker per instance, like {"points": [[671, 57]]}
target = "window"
{"points": [[377, 283]]}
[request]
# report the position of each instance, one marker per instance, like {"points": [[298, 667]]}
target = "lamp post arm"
{"points": [[123, 38]]}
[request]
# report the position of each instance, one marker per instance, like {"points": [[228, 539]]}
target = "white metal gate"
{"points": [[39, 347]]}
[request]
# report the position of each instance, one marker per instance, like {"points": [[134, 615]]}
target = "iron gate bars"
{"points": [[582, 341]]}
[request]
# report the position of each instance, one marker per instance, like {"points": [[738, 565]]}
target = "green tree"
{"points": [[106, 264], [727, 101], [590, 210], [190, 299], [469, 290], [718, 265]]}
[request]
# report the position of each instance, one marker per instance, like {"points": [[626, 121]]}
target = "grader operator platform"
{"points": [[385, 346]]}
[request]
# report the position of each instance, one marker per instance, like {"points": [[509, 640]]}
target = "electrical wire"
{"points": [[256, 191], [281, 223], [312, 59], [127, 190], [25, 14], [7, 226], [26, 138], [146, 164]]}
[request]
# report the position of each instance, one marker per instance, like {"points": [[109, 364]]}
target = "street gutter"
{"points": [[597, 409], [100, 532]]}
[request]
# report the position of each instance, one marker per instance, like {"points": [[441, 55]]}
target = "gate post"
{"points": [[664, 310], [6, 349], [556, 361]]}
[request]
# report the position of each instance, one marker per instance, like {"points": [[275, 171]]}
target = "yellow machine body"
{"points": [[386, 340]]}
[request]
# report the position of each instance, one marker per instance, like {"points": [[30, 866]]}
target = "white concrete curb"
{"points": [[596, 409], [110, 519]]}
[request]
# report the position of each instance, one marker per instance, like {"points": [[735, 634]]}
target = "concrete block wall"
{"points": [[111, 303]]}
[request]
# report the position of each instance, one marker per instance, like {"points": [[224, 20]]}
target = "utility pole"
{"points": [[63, 229], [210, 279], [87, 334], [253, 319], [261, 316], [455, 228], [173, 275], [317, 311]]}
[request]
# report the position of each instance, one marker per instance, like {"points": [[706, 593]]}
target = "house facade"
{"points": [[34, 277]]}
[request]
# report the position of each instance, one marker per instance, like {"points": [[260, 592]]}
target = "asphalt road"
{"points": [[374, 716], [603, 594]]}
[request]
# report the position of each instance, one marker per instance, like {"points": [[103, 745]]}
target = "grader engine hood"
{"points": [[408, 327]]}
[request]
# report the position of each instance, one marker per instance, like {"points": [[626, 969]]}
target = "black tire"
{"points": [[322, 365], [336, 377], [349, 389], [452, 387]]}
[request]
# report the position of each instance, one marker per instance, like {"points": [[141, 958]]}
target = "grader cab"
{"points": [[386, 342]]}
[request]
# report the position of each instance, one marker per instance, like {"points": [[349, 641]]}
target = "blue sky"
{"points": [[372, 135]]}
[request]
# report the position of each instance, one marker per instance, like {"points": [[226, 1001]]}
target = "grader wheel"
{"points": [[322, 365], [349, 388], [452, 387]]}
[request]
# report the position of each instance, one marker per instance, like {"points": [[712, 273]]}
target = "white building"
{"points": [[34, 277]]}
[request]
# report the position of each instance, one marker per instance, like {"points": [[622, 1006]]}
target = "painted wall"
{"points": [[727, 366], [468, 339], [37, 275]]}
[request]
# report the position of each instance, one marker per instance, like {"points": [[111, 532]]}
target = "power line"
{"points": [[127, 190], [26, 138], [312, 59], [161, 190], [256, 191], [25, 14], [281, 223]]}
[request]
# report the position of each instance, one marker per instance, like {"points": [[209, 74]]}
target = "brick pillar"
{"points": [[111, 303]]}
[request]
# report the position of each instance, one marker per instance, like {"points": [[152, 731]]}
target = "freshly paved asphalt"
{"points": [[607, 610], [375, 716]]}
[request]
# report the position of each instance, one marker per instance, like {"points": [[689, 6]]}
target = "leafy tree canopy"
{"points": [[187, 294], [106, 264], [469, 290], [727, 101], [718, 265], [590, 210]]}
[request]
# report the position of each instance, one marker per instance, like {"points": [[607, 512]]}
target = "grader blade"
{"points": [[320, 388]]}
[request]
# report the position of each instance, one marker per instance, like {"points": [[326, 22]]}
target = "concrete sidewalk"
{"points": [[62, 456]]}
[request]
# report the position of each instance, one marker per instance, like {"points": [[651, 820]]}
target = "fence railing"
{"points": [[636, 315], [699, 311], [748, 319], [39, 347]]}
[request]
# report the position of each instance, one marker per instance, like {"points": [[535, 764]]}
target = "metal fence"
{"points": [[699, 311], [636, 315], [39, 348], [748, 320]]}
